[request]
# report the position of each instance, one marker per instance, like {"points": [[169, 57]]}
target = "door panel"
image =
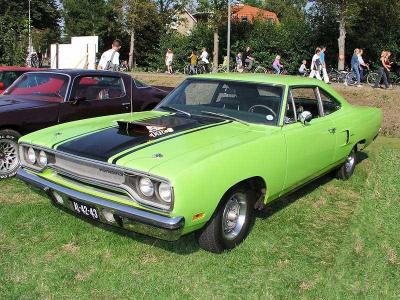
{"points": [[310, 150], [95, 96]]}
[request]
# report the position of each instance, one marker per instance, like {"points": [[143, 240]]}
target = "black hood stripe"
{"points": [[106, 143], [166, 139], [79, 135]]}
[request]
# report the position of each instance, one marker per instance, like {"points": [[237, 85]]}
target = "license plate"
{"points": [[85, 210]]}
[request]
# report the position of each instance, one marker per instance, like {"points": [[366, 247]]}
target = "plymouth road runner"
{"points": [[44, 98], [214, 150]]}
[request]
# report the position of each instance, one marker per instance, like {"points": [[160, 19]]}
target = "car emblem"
{"points": [[157, 155]]}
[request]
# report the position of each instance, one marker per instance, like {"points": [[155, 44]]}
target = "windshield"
{"points": [[8, 77], [40, 86], [247, 102]]}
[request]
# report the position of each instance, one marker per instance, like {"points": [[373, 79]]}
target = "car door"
{"points": [[310, 148], [93, 96]]}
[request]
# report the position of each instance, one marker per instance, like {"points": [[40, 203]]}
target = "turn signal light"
{"points": [[198, 216]]}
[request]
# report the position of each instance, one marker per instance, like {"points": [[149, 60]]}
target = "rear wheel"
{"points": [[372, 78], [231, 222], [351, 78], [260, 69], [9, 161], [348, 167]]}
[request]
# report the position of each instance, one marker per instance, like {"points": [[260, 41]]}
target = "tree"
{"points": [[345, 13], [218, 10], [45, 17], [135, 16]]}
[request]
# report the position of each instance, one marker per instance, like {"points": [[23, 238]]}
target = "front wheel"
{"points": [[9, 161], [372, 78], [348, 167], [230, 224]]}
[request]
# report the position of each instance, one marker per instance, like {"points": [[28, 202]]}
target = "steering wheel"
{"points": [[251, 109]]}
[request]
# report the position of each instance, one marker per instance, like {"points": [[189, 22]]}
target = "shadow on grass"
{"points": [[284, 201], [187, 244]]}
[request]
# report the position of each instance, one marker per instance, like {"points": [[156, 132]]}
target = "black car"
{"points": [[44, 98]]}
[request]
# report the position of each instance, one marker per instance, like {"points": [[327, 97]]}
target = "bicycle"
{"points": [[337, 76]]}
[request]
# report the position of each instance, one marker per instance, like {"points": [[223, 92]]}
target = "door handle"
{"points": [[332, 130], [126, 103]]}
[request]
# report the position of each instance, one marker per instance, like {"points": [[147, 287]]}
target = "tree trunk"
{"points": [[342, 44], [132, 59], [216, 50]]}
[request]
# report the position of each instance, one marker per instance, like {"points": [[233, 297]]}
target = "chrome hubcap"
{"points": [[8, 156], [349, 164], [234, 216]]}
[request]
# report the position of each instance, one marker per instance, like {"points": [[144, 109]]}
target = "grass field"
{"points": [[329, 240]]}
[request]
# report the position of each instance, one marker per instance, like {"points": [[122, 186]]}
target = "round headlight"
{"points": [[31, 155], [146, 186], [42, 160], [165, 192]]}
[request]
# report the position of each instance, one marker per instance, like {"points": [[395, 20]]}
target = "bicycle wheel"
{"points": [[372, 78], [186, 70], [260, 69], [397, 82], [351, 78]]}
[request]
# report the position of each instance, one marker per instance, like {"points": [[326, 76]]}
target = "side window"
{"points": [[329, 104], [305, 99], [99, 88]]}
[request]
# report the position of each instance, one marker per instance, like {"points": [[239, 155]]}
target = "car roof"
{"points": [[76, 72], [263, 78], [16, 68]]}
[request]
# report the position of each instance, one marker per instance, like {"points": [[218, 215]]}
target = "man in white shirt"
{"points": [[110, 59], [362, 64], [204, 59]]}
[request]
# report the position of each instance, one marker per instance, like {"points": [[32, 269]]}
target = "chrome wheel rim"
{"points": [[8, 156], [350, 161], [234, 216]]}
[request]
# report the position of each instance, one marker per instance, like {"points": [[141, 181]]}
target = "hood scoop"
{"points": [[143, 129]]}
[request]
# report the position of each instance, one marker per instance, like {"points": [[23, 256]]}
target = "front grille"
{"points": [[86, 170]]}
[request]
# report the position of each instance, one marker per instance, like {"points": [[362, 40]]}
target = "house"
{"points": [[247, 13], [184, 22]]}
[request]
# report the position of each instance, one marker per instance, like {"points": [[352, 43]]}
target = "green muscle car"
{"points": [[214, 150]]}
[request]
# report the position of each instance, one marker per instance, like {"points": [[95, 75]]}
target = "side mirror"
{"points": [[305, 117], [2, 86]]}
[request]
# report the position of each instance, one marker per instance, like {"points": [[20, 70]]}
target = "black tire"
{"points": [[348, 167], [8, 152], [372, 78], [212, 237]]}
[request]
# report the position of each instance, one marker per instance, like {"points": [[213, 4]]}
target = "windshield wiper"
{"points": [[223, 116], [170, 108]]}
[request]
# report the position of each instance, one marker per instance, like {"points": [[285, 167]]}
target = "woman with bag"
{"points": [[316, 65]]}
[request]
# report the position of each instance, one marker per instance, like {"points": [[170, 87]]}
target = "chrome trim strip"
{"points": [[145, 217]]}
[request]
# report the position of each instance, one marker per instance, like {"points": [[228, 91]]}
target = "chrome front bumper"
{"points": [[126, 217]]}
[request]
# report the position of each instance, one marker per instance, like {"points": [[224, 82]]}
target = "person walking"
{"points": [[110, 59], [355, 67], [316, 65], [362, 64], [169, 56], [382, 72], [193, 62], [388, 65], [277, 65], [204, 59], [323, 64]]}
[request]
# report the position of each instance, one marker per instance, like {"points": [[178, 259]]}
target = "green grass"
{"points": [[329, 240]]}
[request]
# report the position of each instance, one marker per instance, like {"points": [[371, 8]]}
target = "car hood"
{"points": [[130, 145], [9, 103]]}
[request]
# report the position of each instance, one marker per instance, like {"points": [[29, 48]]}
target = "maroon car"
{"points": [[9, 74], [44, 98]]}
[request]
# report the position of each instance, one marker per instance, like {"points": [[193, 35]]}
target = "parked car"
{"points": [[9, 74], [211, 152], [45, 98]]}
